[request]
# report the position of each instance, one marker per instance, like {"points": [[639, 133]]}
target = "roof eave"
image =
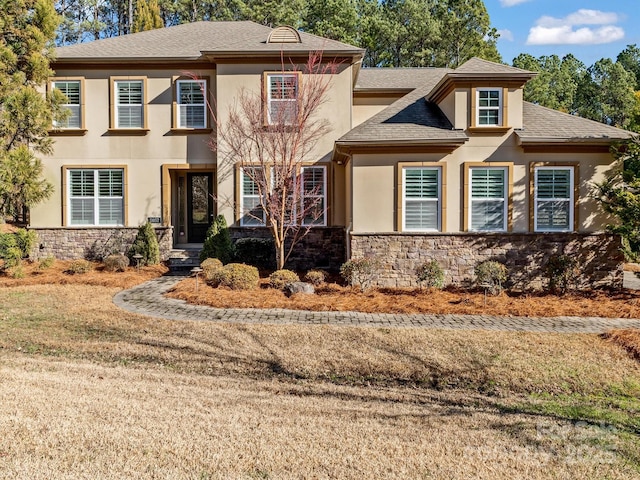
{"points": [[451, 79]]}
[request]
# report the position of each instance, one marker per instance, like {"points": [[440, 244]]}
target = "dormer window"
{"points": [[489, 107]]}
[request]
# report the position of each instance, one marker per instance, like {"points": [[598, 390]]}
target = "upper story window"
{"points": [[191, 101], [95, 196], [488, 199], [421, 199], [72, 89], [129, 105], [554, 201], [489, 107], [282, 98]]}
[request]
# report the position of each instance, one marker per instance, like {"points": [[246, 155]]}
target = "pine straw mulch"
{"points": [[629, 339], [333, 297], [58, 274]]}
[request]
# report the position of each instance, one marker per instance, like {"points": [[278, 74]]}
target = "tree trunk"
{"points": [[280, 255]]}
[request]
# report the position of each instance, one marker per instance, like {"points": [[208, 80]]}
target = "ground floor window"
{"points": [[488, 199], [553, 198], [421, 198], [96, 196]]}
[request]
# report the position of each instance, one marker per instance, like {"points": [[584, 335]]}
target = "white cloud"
{"points": [[511, 3], [562, 31], [505, 35]]}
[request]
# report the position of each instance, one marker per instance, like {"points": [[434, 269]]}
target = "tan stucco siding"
{"points": [[366, 106], [375, 195]]}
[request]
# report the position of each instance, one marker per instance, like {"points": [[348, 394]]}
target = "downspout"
{"points": [[348, 241]]}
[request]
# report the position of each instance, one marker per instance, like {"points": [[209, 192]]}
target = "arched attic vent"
{"points": [[284, 35]]}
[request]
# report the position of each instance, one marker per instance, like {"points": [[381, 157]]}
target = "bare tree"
{"points": [[268, 136]]}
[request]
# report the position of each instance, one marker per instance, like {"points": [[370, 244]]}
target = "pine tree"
{"points": [[147, 16]]}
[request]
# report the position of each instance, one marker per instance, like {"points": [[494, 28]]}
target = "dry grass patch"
{"points": [[332, 297]]}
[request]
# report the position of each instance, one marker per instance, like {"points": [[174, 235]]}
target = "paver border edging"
{"points": [[149, 299]]}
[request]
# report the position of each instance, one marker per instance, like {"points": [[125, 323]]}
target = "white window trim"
{"points": [[570, 200], [96, 198], [270, 76], [323, 196], [504, 199], [117, 104], [242, 202], [69, 105], [203, 86], [498, 108], [437, 200]]}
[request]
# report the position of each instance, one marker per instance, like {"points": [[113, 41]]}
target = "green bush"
{"points": [[491, 275], [259, 252], [16, 246], [17, 271], [46, 262], [431, 274], [210, 267], [146, 244], [563, 273], [236, 276], [116, 262], [361, 271], [217, 243], [280, 278], [79, 267], [315, 277], [12, 257], [25, 240]]}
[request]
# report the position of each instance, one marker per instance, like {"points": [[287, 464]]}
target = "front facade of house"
{"points": [[418, 164]]}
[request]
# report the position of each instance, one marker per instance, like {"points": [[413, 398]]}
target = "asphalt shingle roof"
{"points": [[398, 78], [477, 65], [187, 41]]}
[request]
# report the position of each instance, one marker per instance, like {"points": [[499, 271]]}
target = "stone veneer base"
{"points": [[524, 254]]}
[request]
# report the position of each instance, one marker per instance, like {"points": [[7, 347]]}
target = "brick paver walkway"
{"points": [[148, 299]]}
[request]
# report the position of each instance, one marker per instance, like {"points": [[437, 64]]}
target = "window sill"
{"points": [[189, 131], [489, 129], [127, 131], [68, 132]]}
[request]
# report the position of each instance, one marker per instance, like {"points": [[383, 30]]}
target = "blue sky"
{"points": [[590, 29]]}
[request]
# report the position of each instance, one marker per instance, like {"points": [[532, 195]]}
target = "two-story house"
{"points": [[419, 163]]}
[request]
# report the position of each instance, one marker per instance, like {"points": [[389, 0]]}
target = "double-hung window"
{"points": [[72, 90], [553, 199], [192, 108], [95, 196], [421, 199], [282, 98], [488, 200], [251, 212], [314, 191], [129, 103], [489, 107]]}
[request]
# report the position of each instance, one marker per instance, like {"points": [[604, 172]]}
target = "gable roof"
{"points": [[194, 41], [479, 66]]}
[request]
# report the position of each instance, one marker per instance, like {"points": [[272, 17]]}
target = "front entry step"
{"points": [[184, 258]]}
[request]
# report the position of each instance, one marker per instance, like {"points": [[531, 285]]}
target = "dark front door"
{"points": [[199, 205]]}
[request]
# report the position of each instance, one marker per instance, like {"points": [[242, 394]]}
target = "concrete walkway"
{"points": [[148, 299]]}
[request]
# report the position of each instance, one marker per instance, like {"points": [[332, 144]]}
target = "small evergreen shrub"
{"points": [[12, 257], [146, 244], [431, 274], [563, 273], [25, 240], [79, 267], [259, 252], [236, 276], [16, 246], [210, 267], [217, 242], [17, 271], [46, 262], [315, 277], [116, 262], [492, 275], [361, 272], [280, 278]]}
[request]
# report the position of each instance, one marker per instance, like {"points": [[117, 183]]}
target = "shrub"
{"points": [[12, 257], [116, 262], [217, 243], [361, 271], [237, 276], [78, 267], [146, 244], [315, 277], [259, 252], [492, 275], [46, 262], [210, 267], [17, 271], [431, 274], [280, 278], [25, 240], [563, 273], [16, 246]]}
